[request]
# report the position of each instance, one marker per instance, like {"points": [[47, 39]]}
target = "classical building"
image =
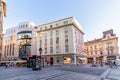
{"points": [[61, 41], [19, 41], [2, 15], [104, 48]]}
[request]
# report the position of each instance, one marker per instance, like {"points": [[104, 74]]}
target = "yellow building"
{"points": [[104, 48]]}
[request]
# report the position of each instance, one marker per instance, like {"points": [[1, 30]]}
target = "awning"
{"points": [[111, 57], [81, 58]]}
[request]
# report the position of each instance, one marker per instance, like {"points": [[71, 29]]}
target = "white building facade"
{"points": [[61, 41], [17, 42]]}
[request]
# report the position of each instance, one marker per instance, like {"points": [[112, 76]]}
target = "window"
{"points": [[26, 25], [87, 48], [51, 41], [57, 49], [10, 50], [110, 51], [57, 32], [100, 45], [40, 43], [14, 30], [51, 49], [45, 41], [57, 59], [66, 30], [45, 34], [66, 38], [108, 37], [24, 35], [95, 52], [65, 22], [45, 50], [95, 47], [41, 28], [110, 44], [51, 33], [91, 53], [91, 48], [51, 26], [23, 26], [46, 27], [5, 51], [57, 40], [56, 24], [13, 49], [66, 48]]}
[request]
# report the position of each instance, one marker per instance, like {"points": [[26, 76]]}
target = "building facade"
{"points": [[61, 41], [18, 42], [2, 15], [104, 48]]}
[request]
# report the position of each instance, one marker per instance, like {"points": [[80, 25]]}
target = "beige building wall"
{"points": [[2, 15], [105, 46], [67, 41]]}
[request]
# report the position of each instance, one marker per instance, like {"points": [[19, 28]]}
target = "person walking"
{"points": [[111, 64], [6, 65], [114, 64]]}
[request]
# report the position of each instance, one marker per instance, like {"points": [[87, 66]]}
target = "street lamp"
{"points": [[40, 49], [101, 59]]}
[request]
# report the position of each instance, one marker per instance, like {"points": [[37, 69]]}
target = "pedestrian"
{"points": [[111, 64], [101, 63], [114, 64], [6, 65]]}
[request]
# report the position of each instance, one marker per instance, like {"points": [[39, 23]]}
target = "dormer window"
{"points": [[40, 28], [56, 24], [46, 27], [65, 22], [23, 26], [26, 25], [51, 26], [108, 37]]}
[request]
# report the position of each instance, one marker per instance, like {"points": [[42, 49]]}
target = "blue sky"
{"points": [[95, 16]]}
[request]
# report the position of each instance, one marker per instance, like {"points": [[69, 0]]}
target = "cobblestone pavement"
{"points": [[86, 70], [53, 73]]}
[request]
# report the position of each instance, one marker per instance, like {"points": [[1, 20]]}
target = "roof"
{"points": [[95, 40]]}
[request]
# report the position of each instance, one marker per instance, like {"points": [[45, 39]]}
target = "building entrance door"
{"points": [[51, 60]]}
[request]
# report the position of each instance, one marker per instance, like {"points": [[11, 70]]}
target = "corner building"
{"points": [[105, 48], [19, 42], [61, 41]]}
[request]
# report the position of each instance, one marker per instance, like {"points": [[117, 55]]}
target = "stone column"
{"points": [[94, 59], [75, 59]]}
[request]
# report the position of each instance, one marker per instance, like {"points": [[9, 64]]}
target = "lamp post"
{"points": [[40, 49], [101, 59]]}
